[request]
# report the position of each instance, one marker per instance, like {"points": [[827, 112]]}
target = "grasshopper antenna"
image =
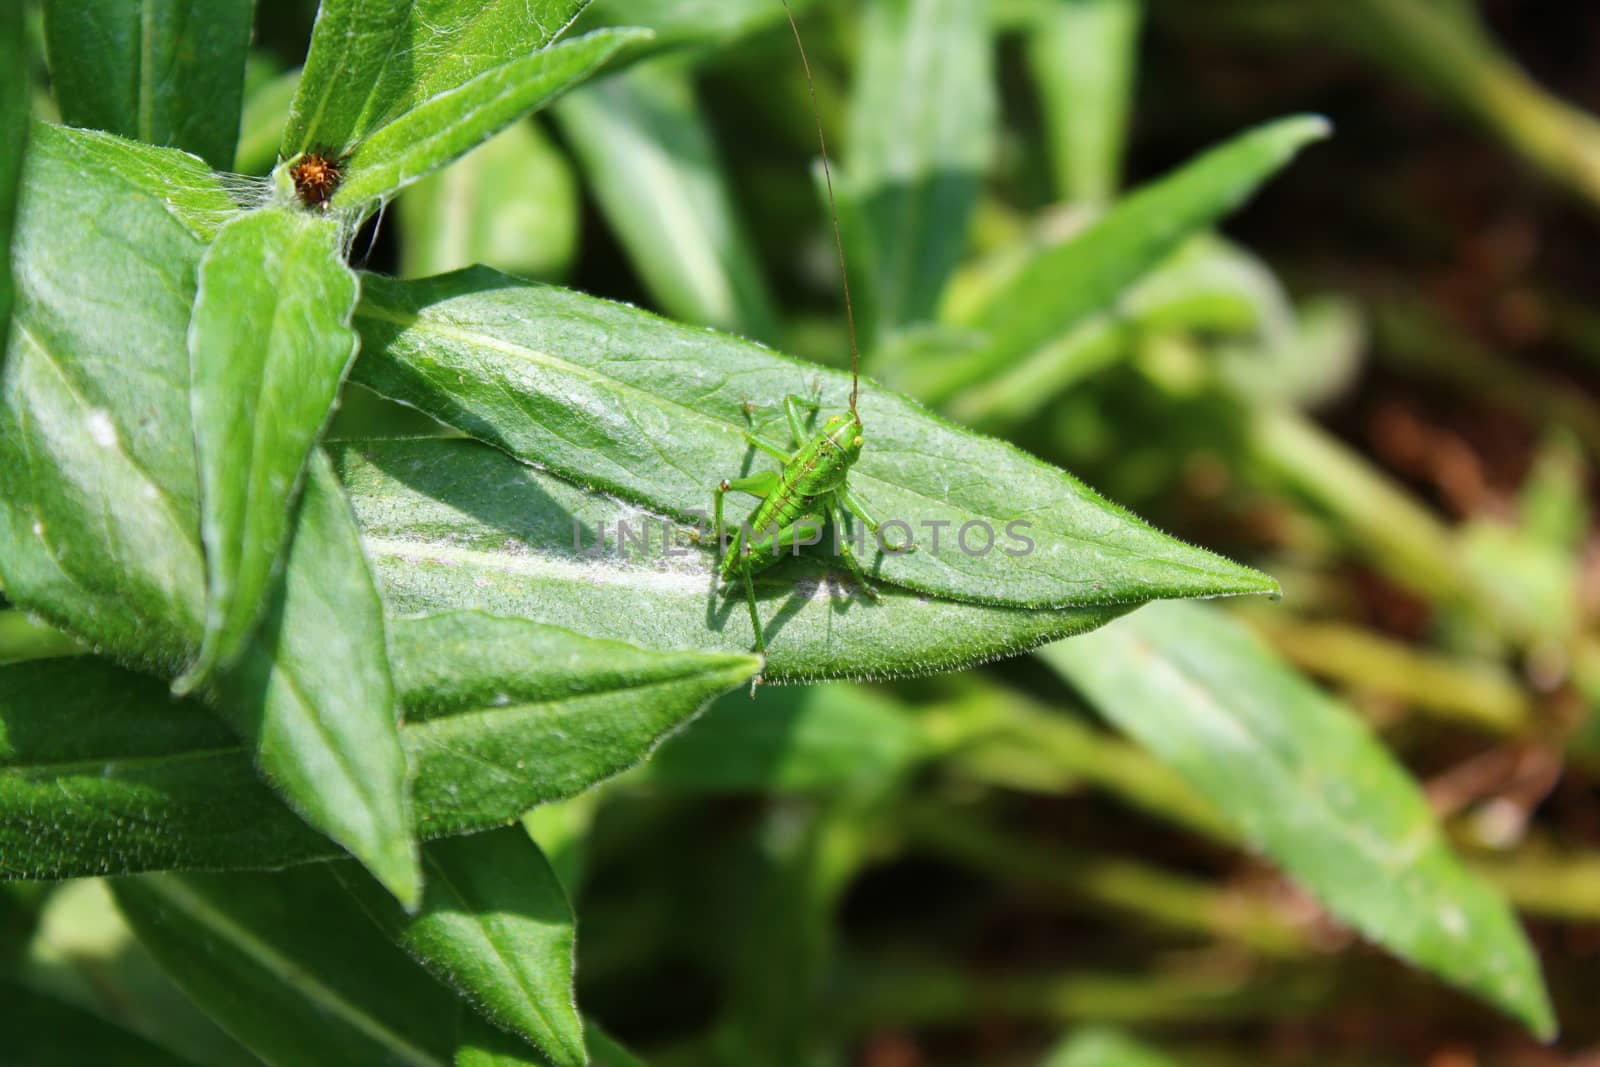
{"points": [[833, 212]]}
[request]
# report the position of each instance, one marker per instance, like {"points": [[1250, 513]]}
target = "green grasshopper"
{"points": [[813, 482]]}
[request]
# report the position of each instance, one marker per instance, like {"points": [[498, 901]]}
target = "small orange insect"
{"points": [[316, 176]]}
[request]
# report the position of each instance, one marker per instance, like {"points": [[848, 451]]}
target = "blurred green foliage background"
{"points": [[1377, 385]]}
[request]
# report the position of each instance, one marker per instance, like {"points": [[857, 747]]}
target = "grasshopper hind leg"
{"points": [[836, 514], [755, 624], [755, 616]]}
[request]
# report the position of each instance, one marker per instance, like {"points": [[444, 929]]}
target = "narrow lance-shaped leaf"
{"points": [[690, 24], [1081, 54], [511, 204], [166, 72], [649, 159], [269, 344], [290, 966], [1307, 784], [14, 97], [314, 693], [628, 403], [372, 60], [102, 772], [1209, 286], [99, 523], [81, 950], [480, 1043], [496, 927], [456, 525], [448, 125], [921, 135], [42, 1031], [1088, 273]]}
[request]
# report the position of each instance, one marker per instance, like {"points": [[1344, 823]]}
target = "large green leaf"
{"points": [[42, 1031], [1304, 781], [269, 344], [450, 124], [922, 133], [165, 72], [697, 24], [454, 524], [85, 301], [511, 204], [618, 399], [1087, 274], [83, 953], [101, 772], [495, 926], [372, 60], [1081, 54], [14, 98], [290, 966], [651, 165], [88, 432], [99, 526]]}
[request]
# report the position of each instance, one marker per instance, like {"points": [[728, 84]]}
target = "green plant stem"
{"points": [[1126, 886], [1472, 692], [1396, 534], [1001, 738], [1399, 536], [1443, 46], [901, 994], [1007, 399], [1548, 884]]}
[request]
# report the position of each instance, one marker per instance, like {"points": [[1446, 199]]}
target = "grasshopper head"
{"points": [[845, 431]]}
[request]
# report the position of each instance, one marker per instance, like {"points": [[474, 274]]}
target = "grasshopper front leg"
{"points": [[770, 448], [792, 407], [760, 485]]}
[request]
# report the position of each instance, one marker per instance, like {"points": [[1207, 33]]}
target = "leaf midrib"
{"points": [[291, 975], [1421, 839], [102, 766], [504, 962]]}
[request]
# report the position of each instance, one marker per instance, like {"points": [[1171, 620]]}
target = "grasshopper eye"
{"points": [[858, 442], [834, 420]]}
